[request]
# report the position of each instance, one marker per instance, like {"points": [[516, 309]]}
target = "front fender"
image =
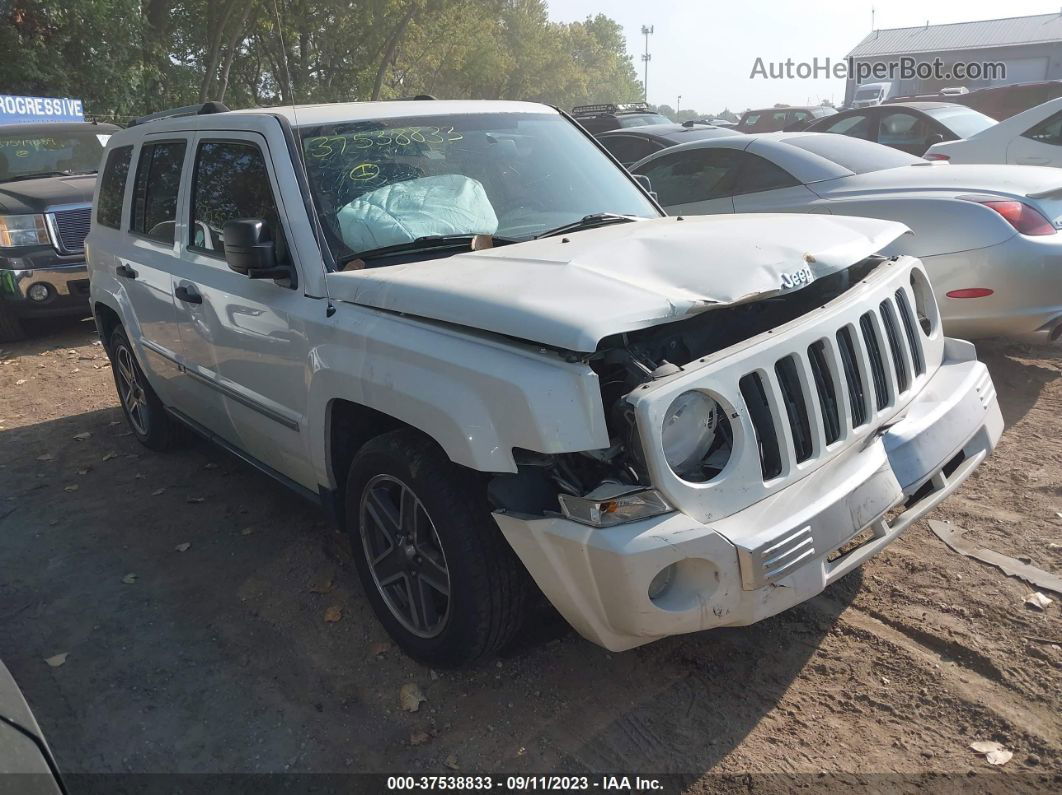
{"points": [[478, 397]]}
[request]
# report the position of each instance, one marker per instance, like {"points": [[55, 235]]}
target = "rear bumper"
{"points": [[67, 284], [780, 551], [1025, 275]]}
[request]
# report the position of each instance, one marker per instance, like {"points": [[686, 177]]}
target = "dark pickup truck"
{"points": [[47, 177]]}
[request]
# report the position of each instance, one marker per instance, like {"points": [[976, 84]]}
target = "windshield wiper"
{"points": [[41, 174], [425, 243], [589, 222]]}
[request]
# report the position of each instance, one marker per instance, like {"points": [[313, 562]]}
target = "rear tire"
{"points": [[435, 567], [11, 328], [143, 410]]}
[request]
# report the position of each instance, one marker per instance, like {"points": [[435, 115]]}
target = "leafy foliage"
{"points": [[128, 57]]}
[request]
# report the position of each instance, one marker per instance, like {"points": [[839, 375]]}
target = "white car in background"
{"points": [[988, 235], [1032, 138]]}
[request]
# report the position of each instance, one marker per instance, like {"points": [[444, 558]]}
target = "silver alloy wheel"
{"points": [[405, 555], [131, 391]]}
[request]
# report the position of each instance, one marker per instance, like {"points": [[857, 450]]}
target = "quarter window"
{"points": [[112, 187], [1049, 131], [231, 181], [158, 179]]}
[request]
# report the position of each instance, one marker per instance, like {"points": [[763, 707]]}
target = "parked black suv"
{"points": [[602, 118], [47, 176]]}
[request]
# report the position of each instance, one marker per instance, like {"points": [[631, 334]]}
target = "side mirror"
{"points": [[934, 138], [250, 251], [643, 180]]}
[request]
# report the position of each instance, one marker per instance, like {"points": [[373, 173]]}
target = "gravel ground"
{"points": [[190, 594]]}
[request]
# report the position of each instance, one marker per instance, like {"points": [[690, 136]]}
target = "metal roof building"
{"points": [[1030, 47]]}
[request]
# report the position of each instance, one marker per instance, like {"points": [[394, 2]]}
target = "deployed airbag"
{"points": [[448, 204]]}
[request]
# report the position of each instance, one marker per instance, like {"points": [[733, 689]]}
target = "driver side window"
{"points": [[231, 181], [694, 175]]}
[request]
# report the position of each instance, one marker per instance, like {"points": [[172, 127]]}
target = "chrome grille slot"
{"points": [[824, 385], [795, 407], [857, 396], [72, 227], [872, 346], [755, 397], [907, 316], [899, 356]]}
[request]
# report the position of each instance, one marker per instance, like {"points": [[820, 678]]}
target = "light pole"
{"points": [[647, 31], [678, 105]]}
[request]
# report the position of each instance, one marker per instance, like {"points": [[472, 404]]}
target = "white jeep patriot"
{"points": [[466, 331]]}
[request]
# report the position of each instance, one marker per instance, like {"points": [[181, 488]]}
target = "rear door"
{"points": [[1040, 145], [140, 251], [694, 181]]}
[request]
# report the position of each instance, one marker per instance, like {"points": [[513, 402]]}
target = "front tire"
{"points": [[143, 410], [436, 569]]}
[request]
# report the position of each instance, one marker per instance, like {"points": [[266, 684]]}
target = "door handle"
{"points": [[1033, 161], [188, 294], [125, 272]]}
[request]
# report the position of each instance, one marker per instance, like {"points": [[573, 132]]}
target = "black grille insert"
{"points": [[831, 419], [755, 397], [795, 407], [877, 365]]}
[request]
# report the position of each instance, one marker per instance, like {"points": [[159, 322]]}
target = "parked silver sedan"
{"points": [[988, 235]]}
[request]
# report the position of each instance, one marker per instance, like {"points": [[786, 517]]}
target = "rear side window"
{"points": [[628, 149], [112, 187], [758, 174], [158, 179], [230, 181]]}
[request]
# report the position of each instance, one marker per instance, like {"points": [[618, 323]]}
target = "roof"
{"points": [[35, 127], [783, 107], [961, 36], [669, 132], [313, 115]]}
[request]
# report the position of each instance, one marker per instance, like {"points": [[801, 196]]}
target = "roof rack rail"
{"points": [[186, 110], [609, 107]]}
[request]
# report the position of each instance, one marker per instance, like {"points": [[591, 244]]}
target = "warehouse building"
{"points": [[1030, 47]]}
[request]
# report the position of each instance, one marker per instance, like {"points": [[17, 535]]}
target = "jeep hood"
{"points": [[571, 291]]}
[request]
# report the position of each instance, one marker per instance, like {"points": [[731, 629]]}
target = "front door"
{"points": [[245, 337]]}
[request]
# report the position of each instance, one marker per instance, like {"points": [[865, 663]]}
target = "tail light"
{"points": [[1021, 216], [935, 156], [970, 292]]}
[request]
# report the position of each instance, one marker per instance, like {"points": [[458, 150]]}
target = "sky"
{"points": [[705, 51]]}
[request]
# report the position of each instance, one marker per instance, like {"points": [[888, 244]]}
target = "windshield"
{"points": [[964, 122], [25, 154], [510, 175], [855, 154], [868, 93]]}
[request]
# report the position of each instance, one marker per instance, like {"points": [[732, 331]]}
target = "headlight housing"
{"points": [[23, 230], [696, 436]]}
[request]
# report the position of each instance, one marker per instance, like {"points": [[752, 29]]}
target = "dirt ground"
{"points": [[190, 594]]}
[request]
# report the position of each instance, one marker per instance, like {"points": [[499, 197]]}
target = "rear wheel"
{"points": [[11, 328], [143, 410], [435, 568]]}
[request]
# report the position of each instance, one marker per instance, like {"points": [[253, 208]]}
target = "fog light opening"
{"points": [[39, 292], [661, 582]]}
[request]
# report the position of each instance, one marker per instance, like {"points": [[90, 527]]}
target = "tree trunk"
{"points": [[392, 46]]}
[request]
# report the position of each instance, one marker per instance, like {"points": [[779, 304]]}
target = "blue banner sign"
{"points": [[20, 110]]}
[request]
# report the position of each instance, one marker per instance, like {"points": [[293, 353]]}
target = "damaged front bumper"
{"points": [[778, 552]]}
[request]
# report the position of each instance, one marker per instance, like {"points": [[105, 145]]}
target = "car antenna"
{"points": [[329, 307]]}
